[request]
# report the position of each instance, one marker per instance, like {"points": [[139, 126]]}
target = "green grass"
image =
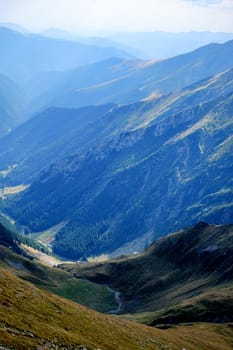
{"points": [[59, 282], [96, 296], [48, 235], [31, 318], [184, 277]]}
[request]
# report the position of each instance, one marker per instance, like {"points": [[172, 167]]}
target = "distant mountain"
{"points": [[28, 54], [138, 184], [186, 276], [14, 27], [60, 132], [11, 105], [89, 40], [142, 78], [113, 80], [51, 88], [160, 45], [56, 33]]}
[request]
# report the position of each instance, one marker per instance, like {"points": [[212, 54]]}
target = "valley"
{"points": [[173, 279], [62, 324], [116, 189], [50, 321], [188, 132]]}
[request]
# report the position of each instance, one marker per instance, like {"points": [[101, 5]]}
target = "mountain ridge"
{"points": [[176, 273], [45, 54], [126, 173], [38, 318]]}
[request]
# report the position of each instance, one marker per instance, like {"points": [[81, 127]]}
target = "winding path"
{"points": [[118, 301]]}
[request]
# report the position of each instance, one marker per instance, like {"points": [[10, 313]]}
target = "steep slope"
{"points": [[10, 113], [51, 135], [24, 262], [28, 54], [31, 318], [118, 80], [36, 318], [50, 88], [7, 237], [44, 75], [59, 132], [184, 277], [141, 184], [154, 78]]}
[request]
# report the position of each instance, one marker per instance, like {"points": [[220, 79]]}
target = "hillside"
{"points": [[9, 112], [141, 181], [51, 322], [156, 77], [54, 87], [26, 54], [35, 70], [52, 76], [184, 277], [121, 80], [59, 132], [32, 317], [31, 265], [49, 136]]}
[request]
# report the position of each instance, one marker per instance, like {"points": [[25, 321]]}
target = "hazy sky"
{"points": [[120, 15]]}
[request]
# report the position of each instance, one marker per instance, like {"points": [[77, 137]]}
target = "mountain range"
{"points": [[112, 81], [123, 81], [145, 171], [115, 148], [104, 152], [57, 72], [26, 55], [10, 112]]}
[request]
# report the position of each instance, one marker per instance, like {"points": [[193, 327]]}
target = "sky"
{"points": [[98, 16]]}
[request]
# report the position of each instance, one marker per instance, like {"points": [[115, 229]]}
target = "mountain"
{"points": [[51, 135], [110, 80], [56, 33], [13, 26], [160, 45], [147, 78], [50, 88], [183, 277], [138, 184], [26, 259], [26, 55], [31, 316], [10, 113], [49, 81], [27, 289]]}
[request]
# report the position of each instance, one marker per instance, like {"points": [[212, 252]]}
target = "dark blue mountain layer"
{"points": [[171, 170]]}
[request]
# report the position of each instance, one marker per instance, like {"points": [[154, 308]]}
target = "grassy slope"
{"points": [[57, 281], [183, 277], [34, 319]]}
